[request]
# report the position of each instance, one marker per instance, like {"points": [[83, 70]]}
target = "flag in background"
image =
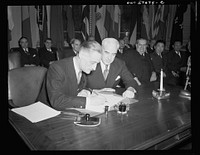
{"points": [[169, 24], [100, 31], [158, 21], [145, 24], [177, 30], [42, 23], [133, 24], [70, 23], [10, 22], [26, 27], [112, 21], [85, 20], [56, 26]]}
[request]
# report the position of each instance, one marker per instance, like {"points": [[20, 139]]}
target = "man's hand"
{"points": [[129, 93], [84, 93], [153, 77]]}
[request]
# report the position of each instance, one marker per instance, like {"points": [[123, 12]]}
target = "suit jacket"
{"points": [[47, 56], [158, 62], [175, 62], [68, 52], [117, 71], [140, 66], [62, 87], [31, 58]]}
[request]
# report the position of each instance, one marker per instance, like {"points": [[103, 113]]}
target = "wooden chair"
{"points": [[14, 60], [24, 85]]}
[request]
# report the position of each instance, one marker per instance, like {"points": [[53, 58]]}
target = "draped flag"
{"points": [[26, 27], [68, 22], [100, 31], [112, 20], [10, 22], [169, 24], [56, 26], [85, 21], [145, 24], [158, 21], [177, 30], [133, 24], [42, 23]]}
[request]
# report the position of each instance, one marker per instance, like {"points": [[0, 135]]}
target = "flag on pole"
{"points": [[26, 27], [68, 22], [112, 20], [85, 21], [42, 23], [145, 25], [158, 21], [10, 22], [172, 11], [133, 24], [100, 31], [177, 30], [56, 26]]}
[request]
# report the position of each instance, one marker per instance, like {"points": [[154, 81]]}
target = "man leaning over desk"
{"points": [[65, 78], [110, 70]]}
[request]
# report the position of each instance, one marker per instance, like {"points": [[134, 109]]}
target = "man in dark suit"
{"points": [[74, 49], [47, 54], [139, 63], [29, 56], [111, 69], [176, 60], [65, 79], [158, 58]]}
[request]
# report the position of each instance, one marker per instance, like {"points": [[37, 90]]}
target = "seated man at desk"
{"points": [[111, 69], [65, 78]]}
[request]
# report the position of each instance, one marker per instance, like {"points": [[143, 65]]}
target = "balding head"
{"points": [[109, 50], [110, 44]]}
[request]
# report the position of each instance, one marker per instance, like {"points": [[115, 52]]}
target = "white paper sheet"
{"points": [[36, 112], [111, 98]]}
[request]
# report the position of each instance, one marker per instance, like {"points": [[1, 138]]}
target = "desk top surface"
{"points": [[147, 121]]}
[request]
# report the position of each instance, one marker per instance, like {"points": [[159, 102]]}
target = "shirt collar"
{"points": [[103, 66], [76, 66]]}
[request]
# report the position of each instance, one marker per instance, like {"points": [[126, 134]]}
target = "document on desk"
{"points": [[111, 100], [36, 112]]}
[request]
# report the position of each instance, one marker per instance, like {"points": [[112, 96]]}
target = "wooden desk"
{"points": [[150, 124]]}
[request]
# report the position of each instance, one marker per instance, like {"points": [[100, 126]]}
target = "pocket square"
{"points": [[118, 77]]}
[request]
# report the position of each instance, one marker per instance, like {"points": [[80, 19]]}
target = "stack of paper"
{"points": [[36, 112]]}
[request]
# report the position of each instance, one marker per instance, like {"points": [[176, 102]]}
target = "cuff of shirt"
{"points": [[87, 103], [132, 89]]}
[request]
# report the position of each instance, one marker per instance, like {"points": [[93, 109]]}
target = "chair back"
{"points": [[14, 60], [24, 84]]}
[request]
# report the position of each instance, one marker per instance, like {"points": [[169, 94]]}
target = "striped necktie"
{"points": [[105, 73]]}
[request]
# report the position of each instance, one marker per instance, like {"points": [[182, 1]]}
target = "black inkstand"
{"points": [[87, 121], [122, 108]]}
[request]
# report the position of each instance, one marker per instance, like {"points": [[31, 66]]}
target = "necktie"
{"points": [[178, 54], [26, 51], [105, 73], [49, 50], [79, 77]]}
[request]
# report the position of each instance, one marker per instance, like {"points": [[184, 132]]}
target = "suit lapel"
{"points": [[111, 75], [72, 74]]}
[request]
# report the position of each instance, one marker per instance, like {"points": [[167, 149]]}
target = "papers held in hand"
{"points": [[87, 121]]}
